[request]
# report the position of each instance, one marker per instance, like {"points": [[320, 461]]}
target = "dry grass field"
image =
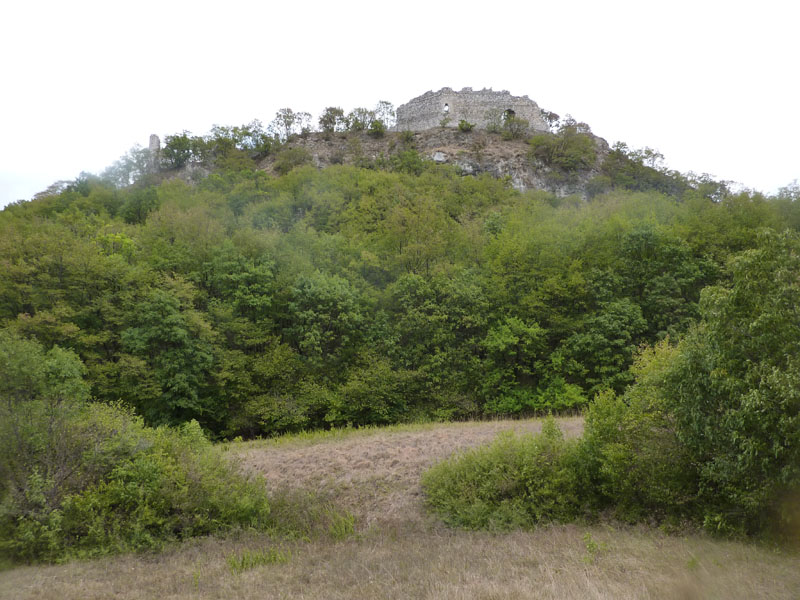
{"points": [[398, 551]]}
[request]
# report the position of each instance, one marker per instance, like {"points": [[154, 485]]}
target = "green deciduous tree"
{"points": [[360, 119], [327, 322], [598, 356], [385, 113], [332, 120], [568, 151], [287, 123], [138, 203], [662, 276], [177, 150], [169, 346], [514, 350], [735, 388]]}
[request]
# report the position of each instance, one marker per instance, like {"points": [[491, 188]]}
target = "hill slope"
{"points": [[472, 153]]}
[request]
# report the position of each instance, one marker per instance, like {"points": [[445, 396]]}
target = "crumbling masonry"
{"points": [[448, 107]]}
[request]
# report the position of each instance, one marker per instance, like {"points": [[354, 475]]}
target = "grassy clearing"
{"points": [[378, 542], [337, 434], [549, 563]]}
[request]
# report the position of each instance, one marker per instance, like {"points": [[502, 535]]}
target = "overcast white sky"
{"points": [[712, 85]]}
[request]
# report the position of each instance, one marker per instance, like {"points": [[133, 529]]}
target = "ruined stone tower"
{"points": [[477, 107], [155, 151]]}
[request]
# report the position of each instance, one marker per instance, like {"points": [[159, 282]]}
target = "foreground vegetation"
{"points": [[398, 551], [80, 479]]}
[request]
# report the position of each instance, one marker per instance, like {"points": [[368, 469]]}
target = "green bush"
{"points": [[80, 479], [373, 394], [408, 161], [137, 489], [555, 395], [178, 488], [626, 168], [376, 129], [639, 468], [517, 481], [465, 126], [709, 430], [567, 151], [289, 158], [514, 128]]}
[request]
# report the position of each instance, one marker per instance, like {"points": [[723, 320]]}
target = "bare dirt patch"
{"points": [[377, 476]]}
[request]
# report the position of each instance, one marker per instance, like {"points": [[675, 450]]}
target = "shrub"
{"points": [[465, 126], [408, 161], [289, 158], [514, 128], [555, 395], [407, 138], [376, 129], [177, 488], [629, 169], [494, 120], [137, 488], [374, 393], [568, 151], [708, 432], [79, 479], [638, 466], [597, 185], [517, 481]]}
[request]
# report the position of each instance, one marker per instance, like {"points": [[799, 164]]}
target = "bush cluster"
{"points": [[707, 434], [517, 481], [81, 479], [566, 152], [465, 126]]}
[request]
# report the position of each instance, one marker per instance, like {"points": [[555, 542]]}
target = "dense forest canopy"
{"points": [[387, 291]]}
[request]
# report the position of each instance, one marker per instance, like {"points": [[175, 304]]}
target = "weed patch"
{"points": [[342, 525], [252, 559]]}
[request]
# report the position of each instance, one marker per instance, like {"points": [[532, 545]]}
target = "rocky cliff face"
{"points": [[472, 153]]}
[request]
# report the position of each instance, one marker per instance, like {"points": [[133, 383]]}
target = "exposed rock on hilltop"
{"points": [[472, 152]]}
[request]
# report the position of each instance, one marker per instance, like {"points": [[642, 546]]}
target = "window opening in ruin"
{"points": [[508, 114], [446, 108]]}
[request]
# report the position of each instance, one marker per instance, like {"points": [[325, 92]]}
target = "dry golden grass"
{"points": [[400, 552], [375, 474]]}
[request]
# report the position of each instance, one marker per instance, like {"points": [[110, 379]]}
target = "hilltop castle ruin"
{"points": [[477, 107]]}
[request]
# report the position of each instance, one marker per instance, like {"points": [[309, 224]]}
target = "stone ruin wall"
{"points": [[427, 111]]}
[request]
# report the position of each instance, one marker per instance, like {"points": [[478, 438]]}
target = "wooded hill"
{"points": [[387, 291]]}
